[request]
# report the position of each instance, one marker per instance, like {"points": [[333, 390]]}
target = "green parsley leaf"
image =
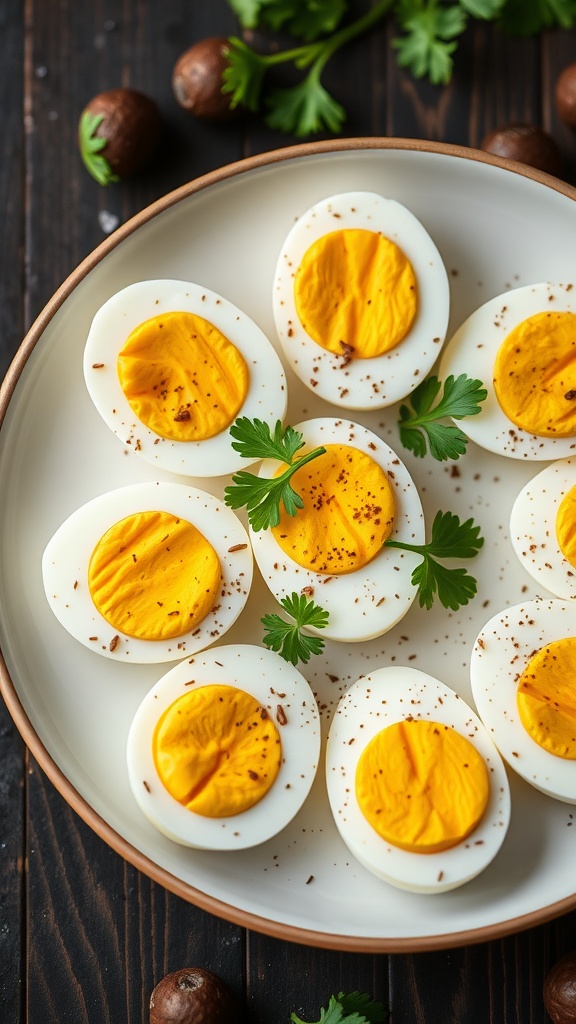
{"points": [[254, 440], [523, 18], [483, 9], [461, 397], [356, 1008], [305, 109], [248, 12], [428, 41], [305, 19], [91, 146], [244, 75], [450, 539], [263, 496], [287, 638]]}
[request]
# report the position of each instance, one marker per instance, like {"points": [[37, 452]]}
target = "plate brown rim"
{"points": [[79, 804]]}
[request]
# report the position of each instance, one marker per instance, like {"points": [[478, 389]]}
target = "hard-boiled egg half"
{"points": [[417, 789], [522, 346], [223, 750], [356, 496], [543, 527], [361, 300], [148, 573], [169, 366], [523, 668]]}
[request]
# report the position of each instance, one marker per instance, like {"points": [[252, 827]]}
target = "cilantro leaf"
{"points": [[361, 1002], [286, 637], [91, 146], [305, 109], [244, 75], [306, 19], [428, 41], [355, 1008], [526, 19], [263, 496], [461, 397], [254, 440], [450, 539], [483, 9]]}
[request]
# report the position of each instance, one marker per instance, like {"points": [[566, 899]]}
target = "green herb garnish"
{"points": [[91, 146], [450, 539], [461, 397], [263, 496], [355, 1008], [287, 638], [425, 44]]}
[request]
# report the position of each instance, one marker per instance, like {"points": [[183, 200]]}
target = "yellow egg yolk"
{"points": [[182, 378], [566, 526], [546, 698], [422, 786], [355, 293], [535, 374], [154, 576], [348, 512], [217, 751]]}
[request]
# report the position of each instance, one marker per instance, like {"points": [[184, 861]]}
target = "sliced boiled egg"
{"points": [[543, 527], [148, 573], [169, 366], [522, 346], [361, 300], [522, 671], [223, 750], [417, 789], [356, 496]]}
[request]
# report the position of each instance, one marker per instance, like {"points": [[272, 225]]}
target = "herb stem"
{"points": [[301, 461]]}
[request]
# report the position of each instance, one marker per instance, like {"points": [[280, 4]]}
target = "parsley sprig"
{"points": [[354, 1008], [264, 496], [449, 539], [428, 34], [461, 397], [287, 638], [91, 146]]}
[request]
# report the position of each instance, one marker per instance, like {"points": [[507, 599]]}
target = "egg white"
{"points": [[533, 528], [374, 702], [120, 315], [271, 681], [383, 380], [473, 349], [368, 602], [67, 556], [500, 654]]}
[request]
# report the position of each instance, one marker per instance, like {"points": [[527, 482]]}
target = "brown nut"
{"points": [[528, 144], [197, 80], [130, 125], [560, 991], [193, 996], [565, 95]]}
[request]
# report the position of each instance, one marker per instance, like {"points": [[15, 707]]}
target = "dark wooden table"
{"points": [[84, 937]]}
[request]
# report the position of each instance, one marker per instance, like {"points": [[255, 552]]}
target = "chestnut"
{"points": [[565, 95], [560, 990], [193, 995], [197, 80], [526, 143], [118, 132]]}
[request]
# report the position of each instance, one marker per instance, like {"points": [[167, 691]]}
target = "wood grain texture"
{"points": [[84, 937]]}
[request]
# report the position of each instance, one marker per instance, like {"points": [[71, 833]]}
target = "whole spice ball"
{"points": [[193, 996], [565, 94], [118, 133], [560, 991], [197, 80], [526, 143]]}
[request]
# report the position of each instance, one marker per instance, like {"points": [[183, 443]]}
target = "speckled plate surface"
{"points": [[496, 228]]}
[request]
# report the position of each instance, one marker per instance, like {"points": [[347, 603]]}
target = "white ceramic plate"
{"points": [[496, 228]]}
